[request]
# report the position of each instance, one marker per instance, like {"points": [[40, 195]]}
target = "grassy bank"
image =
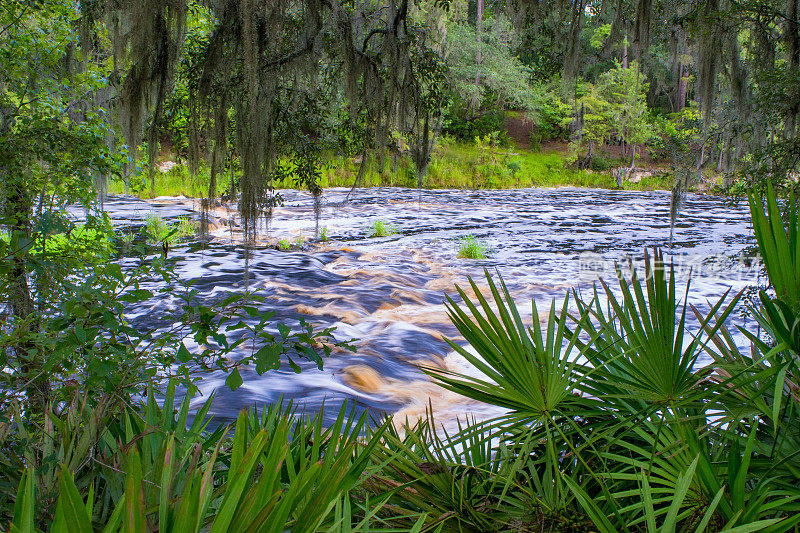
{"points": [[453, 166]]}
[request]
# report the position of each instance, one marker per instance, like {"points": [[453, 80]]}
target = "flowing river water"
{"points": [[388, 292]]}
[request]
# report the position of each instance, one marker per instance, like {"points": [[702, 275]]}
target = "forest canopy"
{"points": [[261, 91]]}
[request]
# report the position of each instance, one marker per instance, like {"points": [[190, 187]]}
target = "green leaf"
{"points": [[268, 357], [598, 517], [134, 519], [72, 506], [183, 354], [234, 379], [24, 504]]}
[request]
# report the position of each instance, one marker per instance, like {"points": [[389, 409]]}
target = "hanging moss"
{"points": [[641, 29], [573, 52]]}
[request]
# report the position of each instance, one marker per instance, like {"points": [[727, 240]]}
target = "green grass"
{"points": [[176, 182], [126, 237], [453, 166], [284, 245], [468, 166], [380, 228], [159, 232], [471, 248]]}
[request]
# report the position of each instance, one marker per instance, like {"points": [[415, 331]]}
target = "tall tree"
{"points": [[51, 140]]}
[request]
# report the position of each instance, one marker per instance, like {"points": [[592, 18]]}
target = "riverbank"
{"points": [[454, 165]]}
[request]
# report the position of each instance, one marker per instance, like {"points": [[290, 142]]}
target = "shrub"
{"points": [[380, 228], [87, 244], [159, 232], [471, 248]]}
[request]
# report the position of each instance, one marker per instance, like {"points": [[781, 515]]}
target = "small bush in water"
{"points": [[471, 248], [323, 235], [381, 229], [160, 232], [283, 244]]}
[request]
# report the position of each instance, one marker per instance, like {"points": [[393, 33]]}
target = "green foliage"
{"points": [[614, 107], [600, 36], [779, 246], [380, 228], [177, 181], [525, 371], [610, 419], [51, 152], [675, 133], [471, 248], [552, 112], [159, 232], [499, 76], [156, 229], [595, 112], [626, 91], [458, 165], [464, 127], [90, 243], [284, 245], [648, 352], [276, 471], [323, 234]]}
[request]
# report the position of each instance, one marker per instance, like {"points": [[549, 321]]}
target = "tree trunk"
{"points": [[681, 104], [362, 169], [193, 133], [219, 153], [573, 52], [212, 182], [23, 311], [625, 53]]}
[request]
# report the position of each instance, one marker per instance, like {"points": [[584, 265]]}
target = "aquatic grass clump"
{"points": [[126, 238], [155, 229], [323, 234], [380, 228], [284, 245], [471, 248], [159, 232]]}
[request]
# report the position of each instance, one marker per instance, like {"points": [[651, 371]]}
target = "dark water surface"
{"points": [[388, 292]]}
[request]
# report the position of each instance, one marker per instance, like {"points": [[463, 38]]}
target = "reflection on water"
{"points": [[388, 292]]}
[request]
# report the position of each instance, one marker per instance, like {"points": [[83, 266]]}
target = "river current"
{"points": [[388, 292]]}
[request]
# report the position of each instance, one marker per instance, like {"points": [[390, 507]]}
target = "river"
{"points": [[388, 292]]}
